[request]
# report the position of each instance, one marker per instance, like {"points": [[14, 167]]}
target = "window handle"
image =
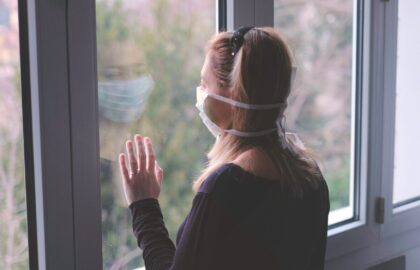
{"points": [[380, 210]]}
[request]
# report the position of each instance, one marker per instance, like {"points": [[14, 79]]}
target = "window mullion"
{"points": [[62, 56], [81, 21], [240, 13], [406, 218]]}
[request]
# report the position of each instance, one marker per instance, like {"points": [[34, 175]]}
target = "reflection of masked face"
{"points": [[124, 100]]}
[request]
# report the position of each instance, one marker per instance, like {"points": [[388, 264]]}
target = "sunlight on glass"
{"points": [[149, 58]]}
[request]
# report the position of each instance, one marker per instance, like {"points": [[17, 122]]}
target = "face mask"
{"points": [[288, 140], [123, 101], [215, 129]]}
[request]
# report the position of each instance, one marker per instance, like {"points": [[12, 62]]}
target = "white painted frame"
{"points": [[406, 217]]}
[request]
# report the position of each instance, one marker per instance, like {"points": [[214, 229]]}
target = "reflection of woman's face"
{"points": [[219, 112]]}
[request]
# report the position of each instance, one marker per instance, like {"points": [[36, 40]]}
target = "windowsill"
{"points": [[405, 207], [339, 215], [345, 227]]}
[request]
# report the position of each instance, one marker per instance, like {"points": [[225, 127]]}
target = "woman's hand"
{"points": [[143, 179]]}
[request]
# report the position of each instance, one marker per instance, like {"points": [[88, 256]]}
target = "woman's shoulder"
{"points": [[229, 177], [220, 175]]}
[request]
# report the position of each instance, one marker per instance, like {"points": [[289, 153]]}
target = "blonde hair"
{"points": [[259, 73]]}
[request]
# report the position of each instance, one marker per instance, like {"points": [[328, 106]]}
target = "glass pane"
{"points": [[149, 58], [321, 108], [13, 219], [407, 131]]}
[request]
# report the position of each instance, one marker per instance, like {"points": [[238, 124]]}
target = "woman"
{"points": [[262, 202]]}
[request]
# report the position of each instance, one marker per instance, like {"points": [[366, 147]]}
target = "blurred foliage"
{"points": [[320, 34], [13, 221], [170, 118]]}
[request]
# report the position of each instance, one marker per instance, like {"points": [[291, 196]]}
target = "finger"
{"points": [[141, 156], [158, 173], [123, 168], [131, 157], [150, 161]]}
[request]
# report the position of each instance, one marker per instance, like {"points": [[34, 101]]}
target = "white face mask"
{"points": [[288, 140], [215, 129], [123, 101]]}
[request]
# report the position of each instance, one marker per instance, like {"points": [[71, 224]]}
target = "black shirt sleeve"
{"points": [[151, 233], [197, 245]]}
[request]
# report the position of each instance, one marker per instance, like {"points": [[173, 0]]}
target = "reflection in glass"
{"points": [[321, 104], [407, 130], [149, 58], [13, 218]]}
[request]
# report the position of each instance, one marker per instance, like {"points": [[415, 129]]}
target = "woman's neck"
{"points": [[257, 162]]}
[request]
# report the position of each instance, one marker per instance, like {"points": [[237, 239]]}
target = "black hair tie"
{"points": [[238, 38]]}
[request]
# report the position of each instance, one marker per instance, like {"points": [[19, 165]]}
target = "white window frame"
{"points": [[405, 217]]}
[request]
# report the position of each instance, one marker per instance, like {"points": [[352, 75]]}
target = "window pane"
{"points": [[13, 219], [321, 108], [407, 130], [149, 58]]}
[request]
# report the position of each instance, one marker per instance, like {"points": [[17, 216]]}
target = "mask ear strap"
{"points": [[246, 105]]}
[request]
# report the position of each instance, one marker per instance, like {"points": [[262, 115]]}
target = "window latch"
{"points": [[380, 210]]}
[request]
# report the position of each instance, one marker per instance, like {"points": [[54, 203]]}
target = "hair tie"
{"points": [[238, 38]]}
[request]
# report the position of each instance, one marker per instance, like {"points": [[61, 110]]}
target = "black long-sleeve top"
{"points": [[237, 221]]}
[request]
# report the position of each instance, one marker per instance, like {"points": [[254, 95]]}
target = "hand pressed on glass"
{"points": [[143, 178]]}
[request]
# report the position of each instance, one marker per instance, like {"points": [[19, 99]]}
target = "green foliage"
{"points": [[169, 118], [111, 23], [320, 35], [338, 183]]}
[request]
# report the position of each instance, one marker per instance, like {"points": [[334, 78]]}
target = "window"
{"points": [[407, 145], [149, 58], [322, 106], [401, 188], [13, 221], [149, 54]]}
